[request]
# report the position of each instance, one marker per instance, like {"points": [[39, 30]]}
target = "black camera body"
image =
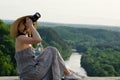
{"points": [[35, 17]]}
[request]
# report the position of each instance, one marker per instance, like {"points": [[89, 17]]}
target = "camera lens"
{"points": [[35, 17]]}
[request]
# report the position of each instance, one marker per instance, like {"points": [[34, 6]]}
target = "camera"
{"points": [[35, 17]]}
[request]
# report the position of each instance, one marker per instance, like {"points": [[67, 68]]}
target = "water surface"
{"points": [[74, 63]]}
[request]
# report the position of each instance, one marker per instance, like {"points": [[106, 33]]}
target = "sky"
{"points": [[98, 12]]}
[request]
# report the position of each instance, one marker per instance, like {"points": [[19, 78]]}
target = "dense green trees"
{"points": [[101, 49], [102, 62], [52, 38], [7, 62]]}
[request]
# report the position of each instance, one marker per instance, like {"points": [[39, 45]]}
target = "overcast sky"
{"points": [[103, 12]]}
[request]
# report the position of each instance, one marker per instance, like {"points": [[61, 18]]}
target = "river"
{"points": [[74, 63]]}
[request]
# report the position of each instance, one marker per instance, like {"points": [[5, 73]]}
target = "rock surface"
{"points": [[87, 78]]}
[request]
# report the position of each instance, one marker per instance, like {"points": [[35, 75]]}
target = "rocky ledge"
{"points": [[86, 78]]}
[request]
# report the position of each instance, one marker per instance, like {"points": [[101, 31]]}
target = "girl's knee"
{"points": [[52, 49]]}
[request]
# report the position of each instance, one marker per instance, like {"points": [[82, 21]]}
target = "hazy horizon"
{"points": [[48, 23]]}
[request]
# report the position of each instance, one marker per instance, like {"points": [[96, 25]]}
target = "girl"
{"points": [[49, 65]]}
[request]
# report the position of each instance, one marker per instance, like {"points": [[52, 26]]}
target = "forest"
{"points": [[100, 48]]}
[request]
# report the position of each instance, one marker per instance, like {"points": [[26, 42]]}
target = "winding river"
{"points": [[74, 63]]}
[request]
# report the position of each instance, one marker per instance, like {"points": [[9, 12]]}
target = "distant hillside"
{"points": [[87, 34], [51, 24]]}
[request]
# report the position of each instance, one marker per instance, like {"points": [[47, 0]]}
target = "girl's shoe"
{"points": [[72, 76]]}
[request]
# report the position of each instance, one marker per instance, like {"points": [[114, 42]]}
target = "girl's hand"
{"points": [[29, 22]]}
